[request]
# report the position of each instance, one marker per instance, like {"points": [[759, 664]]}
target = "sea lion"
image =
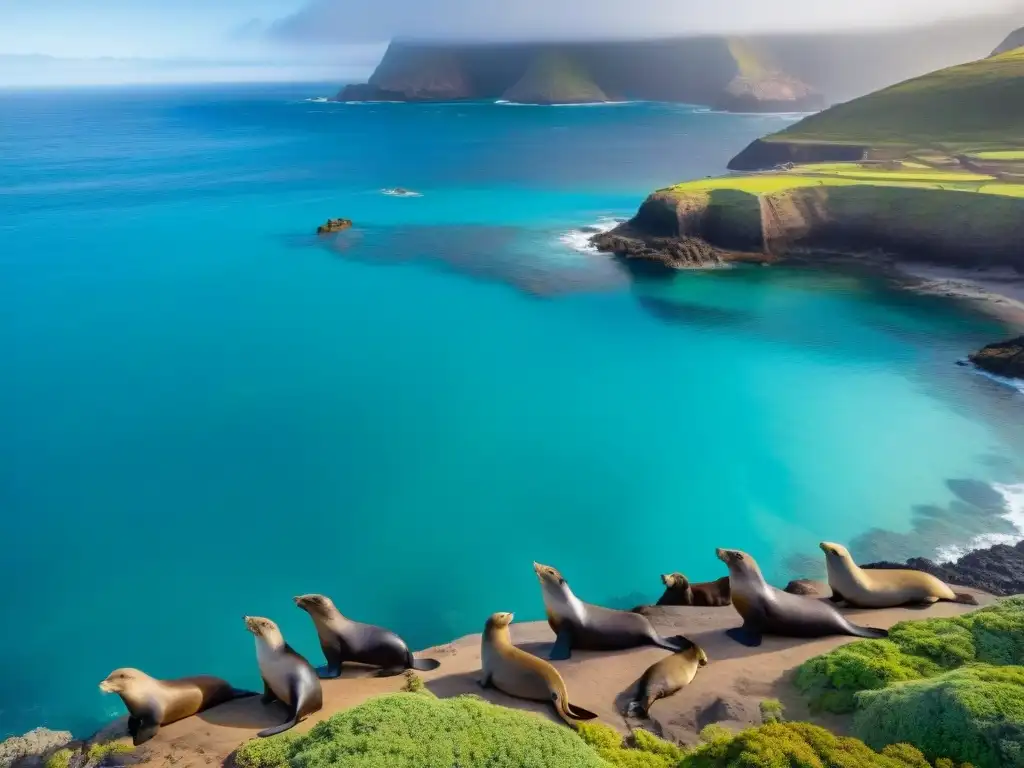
{"points": [[679, 591], [770, 611], [287, 677], [883, 588], [152, 703], [590, 627], [667, 677], [342, 640], [514, 671]]}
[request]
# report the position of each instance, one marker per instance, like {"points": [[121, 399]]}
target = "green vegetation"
{"points": [[421, 730], [99, 752], [60, 759], [911, 175], [952, 687], [975, 713], [780, 745], [772, 711], [973, 106], [414, 683], [751, 60], [644, 751], [555, 78]]}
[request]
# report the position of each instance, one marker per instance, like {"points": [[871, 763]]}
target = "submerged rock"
{"points": [[334, 225], [1005, 358]]}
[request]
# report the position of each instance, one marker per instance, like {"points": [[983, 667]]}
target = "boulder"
{"points": [[334, 225], [32, 748], [1005, 358]]}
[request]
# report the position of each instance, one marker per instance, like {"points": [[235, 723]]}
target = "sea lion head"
{"points": [[263, 629], [675, 581], [739, 563], [120, 680], [549, 577], [500, 620], [835, 551], [317, 606]]}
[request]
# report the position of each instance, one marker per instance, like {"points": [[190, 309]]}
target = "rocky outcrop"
{"points": [[334, 225], [555, 78], [1013, 41], [704, 70], [699, 225], [32, 748], [764, 155], [998, 570], [1005, 358]]}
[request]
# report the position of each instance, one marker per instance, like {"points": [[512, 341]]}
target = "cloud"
{"points": [[379, 20]]}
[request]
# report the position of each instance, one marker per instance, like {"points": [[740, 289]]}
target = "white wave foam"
{"points": [[506, 103], [398, 192], [1017, 384], [579, 239], [318, 100], [1013, 495]]}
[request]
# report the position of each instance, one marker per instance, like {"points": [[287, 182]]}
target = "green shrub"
{"points": [[914, 650], [772, 711], [99, 752], [415, 730], [644, 750], [714, 732], [972, 714], [802, 745], [60, 759], [414, 683]]}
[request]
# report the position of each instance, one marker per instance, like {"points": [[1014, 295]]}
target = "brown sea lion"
{"points": [[769, 611], [666, 678], [287, 676], [590, 627], [883, 588], [342, 639], [679, 591], [152, 703], [520, 674]]}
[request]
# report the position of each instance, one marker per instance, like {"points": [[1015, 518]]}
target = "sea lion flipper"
{"points": [[869, 632], [966, 598], [836, 597], [290, 723], [579, 713], [425, 665], [562, 649], [745, 636], [485, 680], [145, 730], [334, 662], [674, 644], [295, 694], [390, 671]]}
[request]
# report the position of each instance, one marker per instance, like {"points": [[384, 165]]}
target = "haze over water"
{"points": [[204, 410]]}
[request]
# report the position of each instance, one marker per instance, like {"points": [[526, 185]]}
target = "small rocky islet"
{"points": [[331, 226]]}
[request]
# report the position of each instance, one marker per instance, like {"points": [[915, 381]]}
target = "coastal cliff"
{"points": [[1004, 358], [1014, 40], [727, 73]]}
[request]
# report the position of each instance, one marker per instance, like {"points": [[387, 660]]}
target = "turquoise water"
{"points": [[204, 410]]}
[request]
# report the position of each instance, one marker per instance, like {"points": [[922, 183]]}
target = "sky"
{"points": [[343, 39]]}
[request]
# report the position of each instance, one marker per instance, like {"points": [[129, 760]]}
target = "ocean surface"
{"points": [[205, 409]]}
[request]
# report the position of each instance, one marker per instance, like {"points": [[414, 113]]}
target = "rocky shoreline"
{"points": [[997, 570]]}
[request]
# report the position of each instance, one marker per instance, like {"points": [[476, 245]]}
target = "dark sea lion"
{"points": [[287, 677], [152, 703], [590, 627], [679, 591], [667, 677], [520, 674], [342, 640], [769, 611], [883, 588]]}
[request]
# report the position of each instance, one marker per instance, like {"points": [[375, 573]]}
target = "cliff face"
{"points": [[555, 78], [693, 70], [1014, 40]]}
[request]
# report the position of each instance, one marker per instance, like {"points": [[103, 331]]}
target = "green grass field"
{"points": [[851, 174], [974, 107]]}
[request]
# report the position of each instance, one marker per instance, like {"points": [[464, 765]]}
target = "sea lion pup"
{"points": [[679, 591], [770, 611], [152, 703], [666, 678], [287, 677], [883, 588], [514, 671], [591, 627], [342, 640]]}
